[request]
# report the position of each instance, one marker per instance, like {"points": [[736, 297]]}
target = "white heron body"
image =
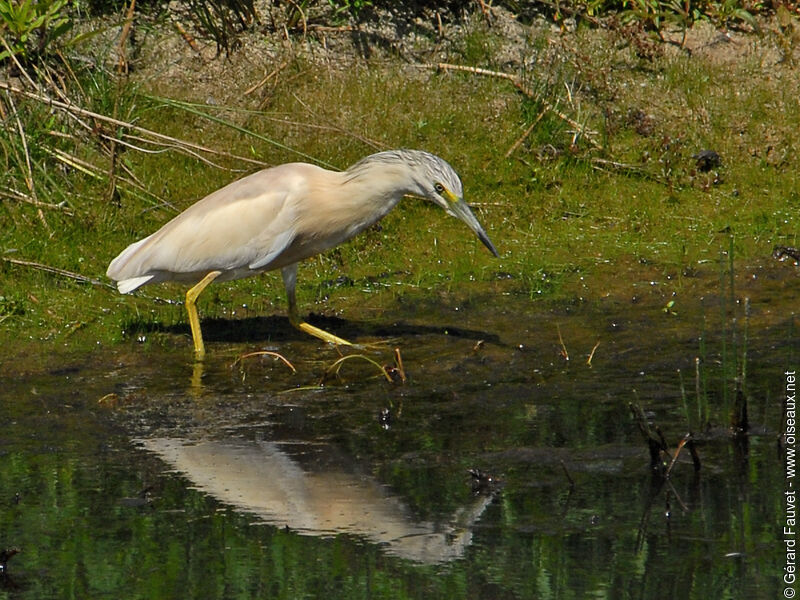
{"points": [[259, 223], [277, 217]]}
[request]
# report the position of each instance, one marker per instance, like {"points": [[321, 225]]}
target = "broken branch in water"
{"points": [[688, 442], [566, 473], [397, 371], [658, 445], [655, 443]]}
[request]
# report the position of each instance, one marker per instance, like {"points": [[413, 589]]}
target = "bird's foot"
{"points": [[321, 334]]}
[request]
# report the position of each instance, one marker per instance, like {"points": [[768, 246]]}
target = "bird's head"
{"points": [[440, 183], [421, 174]]}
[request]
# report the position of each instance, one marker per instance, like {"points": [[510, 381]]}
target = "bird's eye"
{"points": [[439, 188]]}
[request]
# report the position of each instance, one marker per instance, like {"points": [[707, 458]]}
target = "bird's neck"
{"points": [[364, 202], [373, 191]]}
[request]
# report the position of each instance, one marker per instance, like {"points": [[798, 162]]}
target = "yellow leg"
{"points": [[289, 280], [315, 331], [191, 308]]}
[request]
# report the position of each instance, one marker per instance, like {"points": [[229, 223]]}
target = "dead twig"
{"points": [[99, 174], [397, 371], [485, 11], [564, 353], [655, 443], [693, 453], [559, 8], [122, 72], [44, 73], [566, 473], [19, 197], [122, 57], [677, 495], [681, 444], [520, 85], [332, 29], [302, 14], [264, 353], [17, 64], [688, 442], [68, 68], [29, 168], [591, 354], [187, 37], [333, 370], [165, 148], [272, 74], [333, 127], [611, 166], [525, 135], [73, 109], [56, 271], [336, 129]]}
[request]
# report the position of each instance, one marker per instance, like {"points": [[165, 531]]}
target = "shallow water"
{"points": [[131, 473]]}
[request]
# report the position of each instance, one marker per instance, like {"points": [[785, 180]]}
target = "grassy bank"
{"points": [[591, 160]]}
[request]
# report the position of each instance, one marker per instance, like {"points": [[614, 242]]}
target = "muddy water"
{"points": [[131, 473]]}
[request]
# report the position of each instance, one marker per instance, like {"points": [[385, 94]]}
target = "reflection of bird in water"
{"points": [[316, 497], [277, 217]]}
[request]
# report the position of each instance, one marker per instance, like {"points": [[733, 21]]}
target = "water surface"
{"points": [[131, 473]]}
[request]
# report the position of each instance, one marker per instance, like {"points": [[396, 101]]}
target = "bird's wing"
{"points": [[280, 241], [249, 222]]}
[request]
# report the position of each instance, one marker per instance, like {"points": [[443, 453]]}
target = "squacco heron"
{"points": [[277, 217]]}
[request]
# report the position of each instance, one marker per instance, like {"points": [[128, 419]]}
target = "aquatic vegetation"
{"points": [[559, 202]]}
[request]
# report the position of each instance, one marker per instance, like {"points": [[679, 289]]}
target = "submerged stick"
{"points": [[782, 253], [681, 444], [591, 354], [566, 473], [398, 368], [564, 352], [693, 452], [739, 420], [655, 444]]}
